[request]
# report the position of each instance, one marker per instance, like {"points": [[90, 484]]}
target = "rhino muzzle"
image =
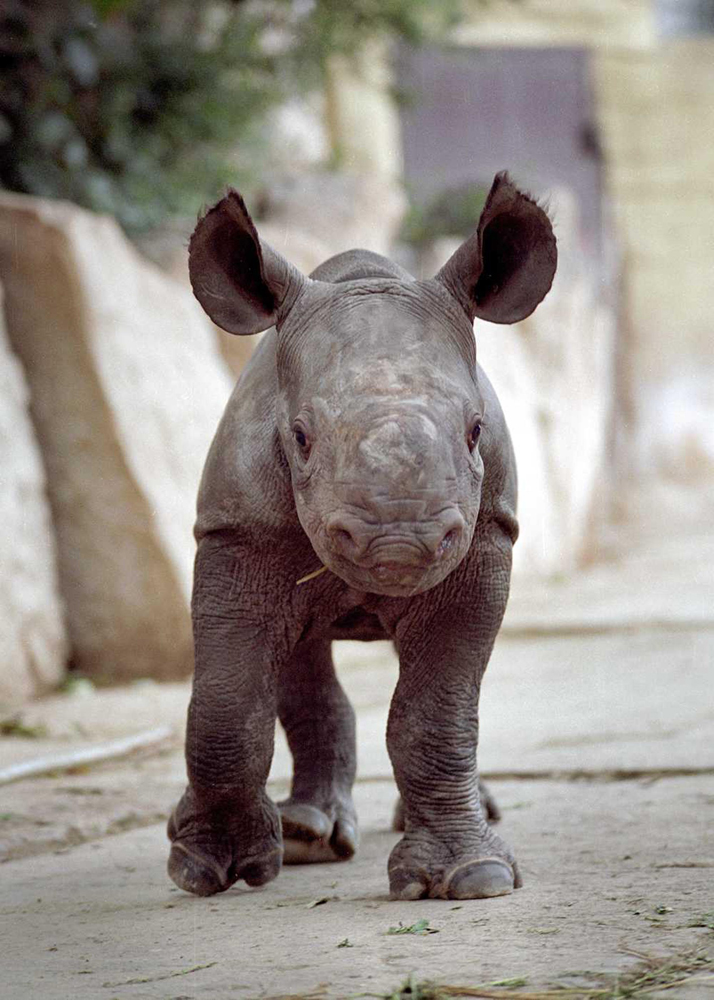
{"points": [[397, 558]]}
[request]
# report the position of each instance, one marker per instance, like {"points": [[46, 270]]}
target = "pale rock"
{"points": [[342, 211], [299, 246], [33, 641], [675, 419], [361, 114], [297, 136], [555, 376], [127, 389]]}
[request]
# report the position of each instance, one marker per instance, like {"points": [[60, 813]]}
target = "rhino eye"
{"points": [[474, 435], [301, 440]]}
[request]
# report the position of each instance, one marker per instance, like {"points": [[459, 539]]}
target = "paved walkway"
{"points": [[598, 737]]}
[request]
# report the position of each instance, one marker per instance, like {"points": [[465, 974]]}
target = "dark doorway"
{"points": [[468, 113]]}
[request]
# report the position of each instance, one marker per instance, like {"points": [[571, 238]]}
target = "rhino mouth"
{"points": [[401, 572], [385, 579]]}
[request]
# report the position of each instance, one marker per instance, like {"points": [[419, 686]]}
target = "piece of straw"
{"points": [[311, 576]]}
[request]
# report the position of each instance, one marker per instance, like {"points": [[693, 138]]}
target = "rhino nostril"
{"points": [[342, 539], [451, 537], [448, 542]]}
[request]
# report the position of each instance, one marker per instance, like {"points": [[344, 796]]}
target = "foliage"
{"points": [[134, 106], [454, 212], [651, 975], [420, 927], [16, 726]]}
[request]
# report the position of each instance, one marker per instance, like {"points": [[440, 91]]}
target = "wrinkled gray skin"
{"points": [[364, 438]]}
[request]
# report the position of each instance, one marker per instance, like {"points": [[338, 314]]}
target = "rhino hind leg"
{"points": [[318, 819]]}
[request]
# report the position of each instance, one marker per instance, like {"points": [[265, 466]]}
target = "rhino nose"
{"points": [[350, 538], [451, 528], [403, 544]]}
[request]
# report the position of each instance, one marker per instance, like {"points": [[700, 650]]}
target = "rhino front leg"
{"points": [[488, 804], [225, 827], [448, 849], [319, 821]]}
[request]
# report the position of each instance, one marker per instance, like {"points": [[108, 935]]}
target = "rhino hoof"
{"points": [[479, 880], [199, 876], [310, 836]]}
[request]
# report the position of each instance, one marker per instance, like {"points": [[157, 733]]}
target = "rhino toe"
{"points": [[310, 836], [198, 875], [478, 879]]}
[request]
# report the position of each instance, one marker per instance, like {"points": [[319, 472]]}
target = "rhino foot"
{"points": [[420, 869], [317, 834], [215, 847]]}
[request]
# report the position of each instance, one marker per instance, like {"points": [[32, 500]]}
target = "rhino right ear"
{"points": [[243, 286], [506, 268]]}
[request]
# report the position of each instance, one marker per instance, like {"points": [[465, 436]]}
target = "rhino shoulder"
{"points": [[246, 479], [500, 486]]}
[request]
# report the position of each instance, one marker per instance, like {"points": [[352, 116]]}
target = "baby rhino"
{"points": [[361, 485]]}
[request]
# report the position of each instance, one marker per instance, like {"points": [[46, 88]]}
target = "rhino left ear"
{"points": [[506, 268], [244, 285]]}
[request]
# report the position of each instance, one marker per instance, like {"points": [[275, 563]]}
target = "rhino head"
{"points": [[379, 408]]}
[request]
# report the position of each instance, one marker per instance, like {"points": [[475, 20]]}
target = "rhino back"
{"points": [[354, 265]]}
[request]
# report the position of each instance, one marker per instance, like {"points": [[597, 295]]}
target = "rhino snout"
{"points": [[404, 545]]}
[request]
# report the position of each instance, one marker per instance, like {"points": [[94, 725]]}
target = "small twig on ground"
{"points": [[317, 994], [155, 979], [111, 750], [693, 863]]}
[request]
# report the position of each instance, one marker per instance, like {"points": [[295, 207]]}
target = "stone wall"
{"points": [[33, 641], [127, 388], [657, 115], [593, 23], [655, 99]]}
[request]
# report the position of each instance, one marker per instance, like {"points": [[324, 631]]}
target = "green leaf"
{"points": [[420, 927]]}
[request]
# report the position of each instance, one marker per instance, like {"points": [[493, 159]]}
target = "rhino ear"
{"points": [[506, 268], [243, 286]]}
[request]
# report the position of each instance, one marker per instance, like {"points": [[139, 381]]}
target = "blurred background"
{"points": [[344, 124]]}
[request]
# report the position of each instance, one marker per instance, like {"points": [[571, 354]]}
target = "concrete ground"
{"points": [[597, 738]]}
